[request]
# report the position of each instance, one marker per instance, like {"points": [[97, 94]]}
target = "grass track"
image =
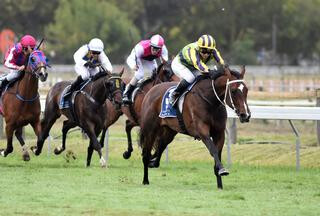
{"points": [[262, 180]]}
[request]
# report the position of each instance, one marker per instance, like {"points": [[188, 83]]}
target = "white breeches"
{"points": [[145, 68], [182, 71], [84, 72], [13, 74]]}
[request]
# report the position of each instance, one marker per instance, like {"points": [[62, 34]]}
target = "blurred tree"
{"points": [[243, 52], [77, 21], [27, 16]]}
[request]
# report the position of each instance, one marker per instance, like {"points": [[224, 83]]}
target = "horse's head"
{"points": [[165, 74], [236, 91], [115, 86], [37, 65]]}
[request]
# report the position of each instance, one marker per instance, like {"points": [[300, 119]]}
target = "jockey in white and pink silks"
{"points": [[142, 60], [16, 58]]}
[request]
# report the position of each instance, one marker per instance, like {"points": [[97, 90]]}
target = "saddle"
{"points": [[66, 100]]}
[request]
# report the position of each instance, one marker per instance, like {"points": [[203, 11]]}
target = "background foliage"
{"points": [[246, 31]]}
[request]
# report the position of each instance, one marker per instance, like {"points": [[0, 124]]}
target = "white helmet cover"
{"points": [[96, 44]]}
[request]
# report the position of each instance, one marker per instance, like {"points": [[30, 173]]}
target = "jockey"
{"points": [[16, 58], [87, 58], [142, 59], [194, 56]]}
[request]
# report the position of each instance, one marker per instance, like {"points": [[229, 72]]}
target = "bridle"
{"points": [[115, 89], [227, 92]]}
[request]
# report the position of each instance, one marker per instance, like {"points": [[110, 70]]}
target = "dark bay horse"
{"points": [[21, 103], [89, 110], [133, 111], [204, 116]]}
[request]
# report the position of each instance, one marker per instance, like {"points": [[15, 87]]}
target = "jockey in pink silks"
{"points": [[142, 60], [16, 58]]}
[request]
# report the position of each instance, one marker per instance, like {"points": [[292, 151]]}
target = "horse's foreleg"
{"points": [[216, 172], [25, 153], [213, 149], [67, 125], [103, 135], [9, 149], [95, 143], [89, 154], [129, 126]]}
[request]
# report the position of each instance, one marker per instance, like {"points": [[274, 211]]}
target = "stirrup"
{"points": [[126, 100], [173, 100]]}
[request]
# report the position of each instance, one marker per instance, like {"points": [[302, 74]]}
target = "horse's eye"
{"points": [[33, 59]]}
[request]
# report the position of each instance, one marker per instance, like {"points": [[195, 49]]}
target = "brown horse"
{"points": [[133, 111], [204, 117], [89, 111], [21, 103]]}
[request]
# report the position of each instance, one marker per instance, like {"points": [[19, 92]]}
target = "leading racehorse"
{"points": [[133, 111], [87, 111], [21, 103], [204, 116]]}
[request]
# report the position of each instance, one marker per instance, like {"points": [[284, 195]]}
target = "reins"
{"points": [[227, 90]]}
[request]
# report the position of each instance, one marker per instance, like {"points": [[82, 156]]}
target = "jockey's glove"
{"points": [[89, 64]]}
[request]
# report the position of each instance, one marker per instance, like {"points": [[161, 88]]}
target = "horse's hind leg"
{"points": [[67, 125], [49, 119], [25, 153], [9, 149], [129, 126], [163, 139]]}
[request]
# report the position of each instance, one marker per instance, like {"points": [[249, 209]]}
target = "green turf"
{"points": [[262, 181]]}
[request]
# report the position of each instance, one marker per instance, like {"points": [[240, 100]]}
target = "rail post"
{"points": [[1, 127], [318, 122]]}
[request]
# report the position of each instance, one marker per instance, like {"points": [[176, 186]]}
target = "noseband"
{"points": [[35, 71], [227, 90]]}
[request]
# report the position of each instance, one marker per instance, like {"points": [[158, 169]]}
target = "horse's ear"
{"points": [[243, 71], [121, 72]]}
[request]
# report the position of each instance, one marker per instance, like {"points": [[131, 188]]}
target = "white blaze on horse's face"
{"points": [[241, 86]]}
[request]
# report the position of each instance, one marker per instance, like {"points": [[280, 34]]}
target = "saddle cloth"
{"points": [[65, 100], [167, 111]]}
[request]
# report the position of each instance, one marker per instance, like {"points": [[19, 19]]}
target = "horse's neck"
{"points": [[205, 88], [97, 90], [28, 85], [149, 85]]}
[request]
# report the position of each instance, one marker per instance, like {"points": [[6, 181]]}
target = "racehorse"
{"points": [[21, 103], [204, 116], [133, 111], [89, 111]]}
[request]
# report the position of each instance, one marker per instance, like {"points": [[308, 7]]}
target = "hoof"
{"points": [[2, 152], [223, 172], [103, 163], [58, 150], [26, 157], [126, 155], [34, 149], [153, 164], [145, 182]]}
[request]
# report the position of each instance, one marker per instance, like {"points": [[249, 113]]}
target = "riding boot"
{"points": [[183, 85], [3, 84], [74, 85], [126, 99]]}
